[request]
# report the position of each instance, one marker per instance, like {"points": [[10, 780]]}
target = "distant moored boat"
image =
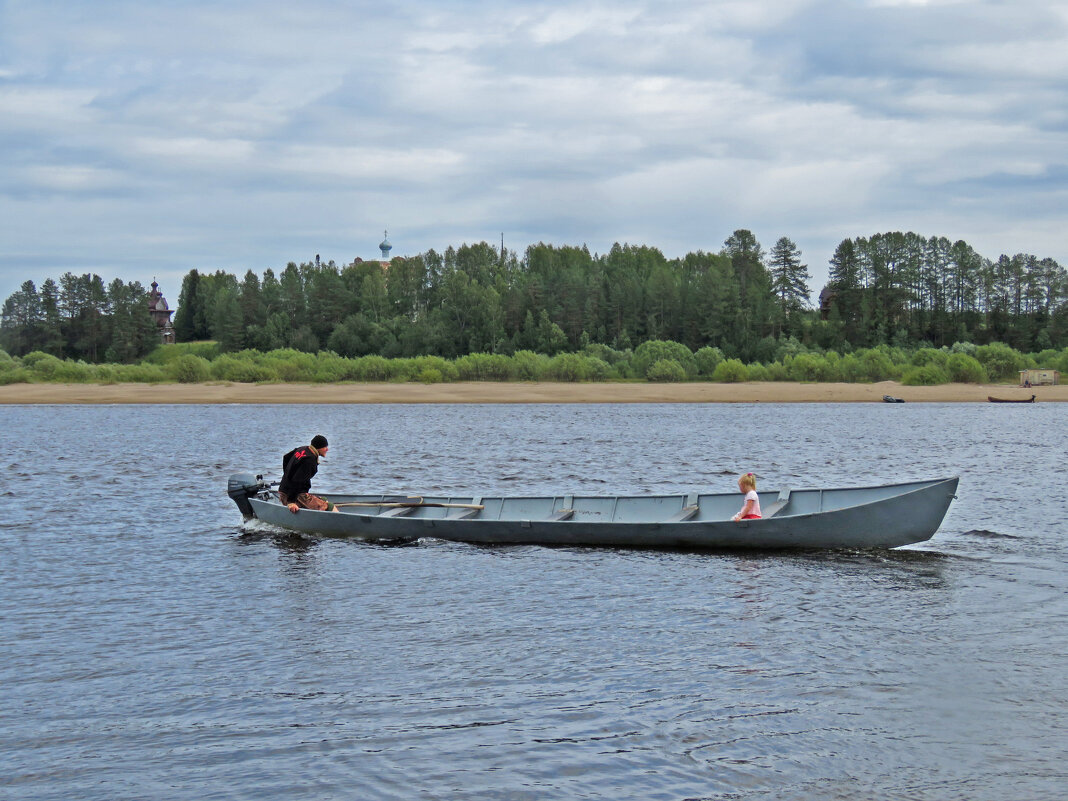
{"points": [[992, 399]]}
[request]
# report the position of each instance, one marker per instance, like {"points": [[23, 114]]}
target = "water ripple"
{"points": [[156, 647]]}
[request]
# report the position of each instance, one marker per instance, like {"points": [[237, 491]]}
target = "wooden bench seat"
{"points": [[778, 504], [399, 511], [684, 514], [689, 509]]}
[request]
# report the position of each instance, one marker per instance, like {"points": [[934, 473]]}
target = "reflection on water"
{"points": [[154, 647]]}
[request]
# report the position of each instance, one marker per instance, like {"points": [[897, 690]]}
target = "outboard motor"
{"points": [[243, 486]]}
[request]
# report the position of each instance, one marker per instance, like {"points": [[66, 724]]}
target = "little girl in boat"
{"points": [[751, 508]]}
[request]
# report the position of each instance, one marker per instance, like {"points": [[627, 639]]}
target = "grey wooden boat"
{"points": [[861, 517]]}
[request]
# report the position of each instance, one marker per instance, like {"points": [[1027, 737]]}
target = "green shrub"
{"points": [[706, 360], [400, 368], [139, 373], [656, 349], [606, 353], [1045, 359], [929, 356], [329, 371], [70, 372], [966, 348], [730, 371], [189, 369], [530, 366], [789, 347], [1049, 359], [776, 371], [485, 367], [866, 366], [35, 356], [165, 354], [41, 365], [331, 368], [6, 361], [19, 375], [850, 369], [1000, 361], [349, 369], [598, 369], [285, 364], [105, 374], [757, 372], [568, 367], [431, 375], [231, 367], [926, 376], [964, 369], [421, 363], [665, 370], [809, 367], [876, 365], [373, 368], [897, 356]]}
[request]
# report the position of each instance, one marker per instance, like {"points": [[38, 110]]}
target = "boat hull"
{"points": [[872, 517]]}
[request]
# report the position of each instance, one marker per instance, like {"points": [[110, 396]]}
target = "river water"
{"points": [[153, 647]]}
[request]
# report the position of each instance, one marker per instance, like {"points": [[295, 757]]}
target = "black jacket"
{"points": [[299, 466]]}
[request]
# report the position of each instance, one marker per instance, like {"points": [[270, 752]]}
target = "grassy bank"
{"points": [[654, 362]]}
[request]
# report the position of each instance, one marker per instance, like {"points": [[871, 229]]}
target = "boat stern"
{"points": [[242, 486]]}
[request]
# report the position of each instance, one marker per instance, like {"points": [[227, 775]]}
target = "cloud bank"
{"points": [[142, 140]]}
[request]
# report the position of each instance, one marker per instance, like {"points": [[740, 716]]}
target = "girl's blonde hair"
{"points": [[748, 481]]}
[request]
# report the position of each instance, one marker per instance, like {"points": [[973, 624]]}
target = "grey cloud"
{"points": [[256, 133]]}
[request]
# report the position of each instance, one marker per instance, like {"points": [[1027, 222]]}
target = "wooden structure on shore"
{"points": [[157, 307], [1039, 377]]}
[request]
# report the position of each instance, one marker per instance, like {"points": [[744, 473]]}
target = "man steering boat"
{"points": [[299, 467]]}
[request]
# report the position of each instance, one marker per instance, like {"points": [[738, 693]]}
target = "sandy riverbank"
{"points": [[489, 392]]}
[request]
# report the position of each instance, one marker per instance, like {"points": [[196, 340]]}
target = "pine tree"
{"points": [[252, 310], [51, 339], [789, 277], [228, 327], [189, 309], [752, 319]]}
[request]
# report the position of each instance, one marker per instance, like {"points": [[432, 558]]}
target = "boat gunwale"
{"points": [[920, 486]]}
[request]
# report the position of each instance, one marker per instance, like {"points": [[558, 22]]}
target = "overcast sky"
{"points": [[142, 139]]}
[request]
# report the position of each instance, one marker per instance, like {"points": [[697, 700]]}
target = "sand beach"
{"points": [[516, 392]]}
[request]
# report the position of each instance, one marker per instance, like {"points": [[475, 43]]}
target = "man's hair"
{"points": [[319, 441]]}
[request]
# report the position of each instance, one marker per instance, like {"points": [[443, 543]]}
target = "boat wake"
{"points": [[991, 535], [256, 526]]}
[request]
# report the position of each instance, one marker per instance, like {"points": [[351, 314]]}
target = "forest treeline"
{"points": [[895, 289], [80, 318]]}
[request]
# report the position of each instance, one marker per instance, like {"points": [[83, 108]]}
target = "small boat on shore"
{"points": [[892, 399], [884, 516], [992, 399]]}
